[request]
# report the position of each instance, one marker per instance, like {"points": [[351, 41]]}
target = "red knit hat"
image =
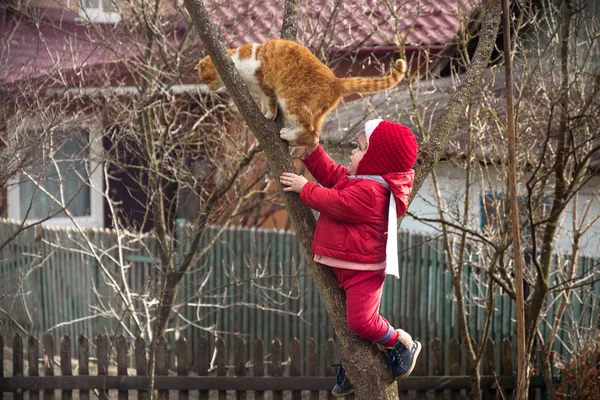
{"points": [[391, 147]]}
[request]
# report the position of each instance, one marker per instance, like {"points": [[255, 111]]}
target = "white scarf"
{"points": [[391, 247]]}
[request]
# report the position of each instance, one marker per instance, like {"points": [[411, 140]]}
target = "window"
{"points": [[99, 11], [67, 177]]}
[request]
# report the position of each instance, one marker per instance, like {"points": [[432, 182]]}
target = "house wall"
{"points": [[451, 180]]}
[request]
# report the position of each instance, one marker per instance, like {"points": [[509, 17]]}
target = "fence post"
{"points": [[454, 364], [240, 364], [2, 359], [276, 369], [437, 364], [202, 363], [102, 356], [122, 362], [330, 359], [65, 364], [259, 366], [312, 367], [83, 358], [33, 368], [141, 364], [421, 366], [507, 363], [489, 368], [295, 365], [48, 343], [220, 358], [18, 362], [162, 364], [183, 366]]}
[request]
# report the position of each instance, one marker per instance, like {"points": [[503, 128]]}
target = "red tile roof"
{"points": [[362, 23], [58, 43], [27, 50]]}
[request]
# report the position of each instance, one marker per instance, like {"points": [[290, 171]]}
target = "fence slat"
{"points": [[162, 364], [276, 368], [102, 354], [183, 365], [312, 365], [141, 364], [65, 364], [259, 365], [489, 367], [202, 363], [330, 359], [33, 368], [295, 364], [18, 362], [83, 358], [240, 364], [454, 364], [2, 358], [220, 359], [421, 366], [48, 343], [507, 363], [437, 364], [122, 363]]}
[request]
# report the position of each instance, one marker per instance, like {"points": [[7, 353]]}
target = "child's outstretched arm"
{"points": [[352, 205], [323, 168]]}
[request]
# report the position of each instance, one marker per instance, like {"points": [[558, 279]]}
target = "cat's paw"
{"points": [[287, 134], [270, 115]]}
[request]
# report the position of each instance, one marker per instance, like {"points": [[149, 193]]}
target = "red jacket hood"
{"points": [[401, 184]]}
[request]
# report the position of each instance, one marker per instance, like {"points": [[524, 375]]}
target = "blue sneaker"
{"points": [[343, 386], [402, 360]]}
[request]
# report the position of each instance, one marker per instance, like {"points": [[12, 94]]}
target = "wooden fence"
{"points": [[121, 366], [421, 301]]}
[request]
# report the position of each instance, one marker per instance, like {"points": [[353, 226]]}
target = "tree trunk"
{"points": [[561, 194], [475, 375], [522, 353], [167, 300], [364, 364]]}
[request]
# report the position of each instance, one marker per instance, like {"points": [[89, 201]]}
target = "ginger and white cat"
{"points": [[284, 73]]}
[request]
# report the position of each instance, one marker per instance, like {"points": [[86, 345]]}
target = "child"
{"points": [[356, 231]]}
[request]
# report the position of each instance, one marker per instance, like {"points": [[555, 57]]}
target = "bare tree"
{"points": [[156, 144], [364, 365], [556, 114]]}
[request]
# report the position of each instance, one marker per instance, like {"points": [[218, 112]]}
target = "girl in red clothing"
{"points": [[356, 233]]}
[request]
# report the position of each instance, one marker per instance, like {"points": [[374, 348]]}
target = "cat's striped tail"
{"points": [[348, 86]]}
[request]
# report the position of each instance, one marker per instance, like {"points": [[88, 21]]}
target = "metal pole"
{"points": [[522, 357]]}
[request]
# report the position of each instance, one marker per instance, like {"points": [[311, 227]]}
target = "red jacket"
{"points": [[352, 224]]}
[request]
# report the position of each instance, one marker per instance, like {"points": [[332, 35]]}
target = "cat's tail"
{"points": [[348, 86]]}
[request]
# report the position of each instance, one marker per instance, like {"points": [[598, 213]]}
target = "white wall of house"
{"points": [[451, 180]]}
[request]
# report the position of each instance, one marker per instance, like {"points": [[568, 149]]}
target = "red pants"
{"points": [[363, 296]]}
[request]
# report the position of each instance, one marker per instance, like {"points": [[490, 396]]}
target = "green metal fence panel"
{"points": [[59, 281]]}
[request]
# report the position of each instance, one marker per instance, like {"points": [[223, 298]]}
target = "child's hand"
{"points": [[294, 182]]}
